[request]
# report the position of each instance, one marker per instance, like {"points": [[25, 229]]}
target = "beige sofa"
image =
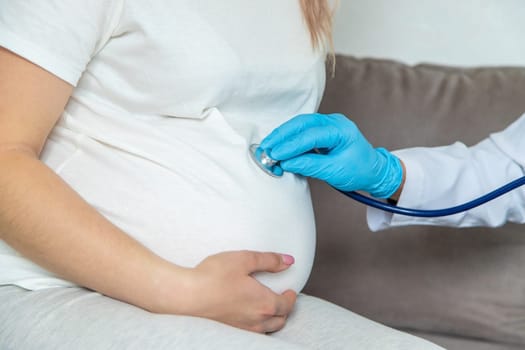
{"points": [[463, 289]]}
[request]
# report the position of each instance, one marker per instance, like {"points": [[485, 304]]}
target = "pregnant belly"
{"points": [[197, 206]]}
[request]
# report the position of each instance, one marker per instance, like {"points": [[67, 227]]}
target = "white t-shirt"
{"points": [[169, 96], [442, 177]]}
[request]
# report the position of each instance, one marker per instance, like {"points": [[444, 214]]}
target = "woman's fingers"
{"points": [[222, 287], [284, 303], [273, 324], [265, 262]]}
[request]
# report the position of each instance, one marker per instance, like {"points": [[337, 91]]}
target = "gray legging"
{"points": [[75, 318]]}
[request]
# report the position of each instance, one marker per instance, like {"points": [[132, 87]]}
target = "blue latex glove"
{"points": [[331, 148]]}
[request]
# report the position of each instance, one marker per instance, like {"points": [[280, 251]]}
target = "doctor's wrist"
{"points": [[389, 176], [394, 198]]}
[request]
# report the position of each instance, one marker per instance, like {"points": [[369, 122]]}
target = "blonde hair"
{"points": [[318, 15]]}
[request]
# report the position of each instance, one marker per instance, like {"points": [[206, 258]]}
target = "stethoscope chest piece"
{"points": [[263, 161]]}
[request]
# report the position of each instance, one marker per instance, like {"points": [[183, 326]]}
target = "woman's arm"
{"points": [[41, 216], [49, 223]]}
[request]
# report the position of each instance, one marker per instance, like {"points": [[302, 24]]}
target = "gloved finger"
{"points": [[310, 164], [277, 170], [319, 137], [274, 168], [297, 124]]}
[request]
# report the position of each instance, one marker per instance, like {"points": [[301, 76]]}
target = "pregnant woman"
{"points": [[131, 215]]}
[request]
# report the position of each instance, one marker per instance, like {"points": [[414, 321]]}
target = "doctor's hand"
{"points": [[331, 148]]}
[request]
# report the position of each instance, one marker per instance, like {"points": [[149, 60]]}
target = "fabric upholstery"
{"points": [[464, 283], [461, 343]]}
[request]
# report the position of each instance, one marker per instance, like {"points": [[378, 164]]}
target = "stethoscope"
{"points": [[268, 164]]}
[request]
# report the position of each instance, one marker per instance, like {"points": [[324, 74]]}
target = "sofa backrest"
{"points": [[469, 282]]}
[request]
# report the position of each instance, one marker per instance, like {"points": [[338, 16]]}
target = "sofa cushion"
{"points": [[459, 343], [468, 282]]}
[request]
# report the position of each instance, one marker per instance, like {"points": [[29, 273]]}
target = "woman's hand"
{"points": [[331, 148], [222, 288]]}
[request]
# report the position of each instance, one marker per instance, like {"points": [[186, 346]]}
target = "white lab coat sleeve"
{"points": [[440, 177]]}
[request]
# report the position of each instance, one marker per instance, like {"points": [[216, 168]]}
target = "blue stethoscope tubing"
{"points": [[436, 212], [268, 164]]}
